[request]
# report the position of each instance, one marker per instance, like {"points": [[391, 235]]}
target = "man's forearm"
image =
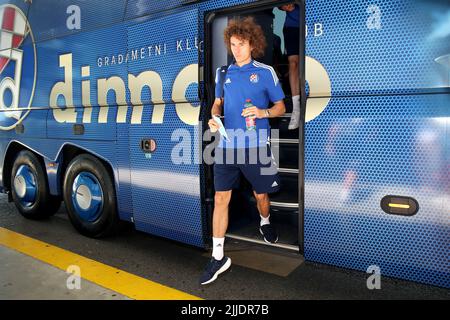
{"points": [[277, 110], [216, 109]]}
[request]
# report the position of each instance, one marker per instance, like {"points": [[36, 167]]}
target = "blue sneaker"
{"points": [[269, 233], [214, 268]]}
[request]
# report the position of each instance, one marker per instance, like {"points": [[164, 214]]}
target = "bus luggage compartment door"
{"points": [[163, 82]]}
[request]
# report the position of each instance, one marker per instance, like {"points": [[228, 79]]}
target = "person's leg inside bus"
{"points": [[295, 90], [262, 203], [293, 75], [263, 183], [266, 228], [291, 39]]}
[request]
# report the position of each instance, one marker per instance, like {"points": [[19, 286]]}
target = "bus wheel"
{"points": [[29, 188], [89, 197]]}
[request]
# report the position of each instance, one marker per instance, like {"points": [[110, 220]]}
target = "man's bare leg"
{"points": [[262, 203], [220, 222], [266, 228], [220, 215]]}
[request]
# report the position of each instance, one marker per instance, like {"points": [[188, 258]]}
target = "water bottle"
{"points": [[250, 120]]}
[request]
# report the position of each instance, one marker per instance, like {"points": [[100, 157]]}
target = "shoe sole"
{"points": [[221, 270], [276, 240]]}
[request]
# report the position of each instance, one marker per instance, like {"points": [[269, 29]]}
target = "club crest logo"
{"points": [[17, 66], [254, 78]]}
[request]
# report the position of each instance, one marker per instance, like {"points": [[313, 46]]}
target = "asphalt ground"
{"points": [[257, 272]]}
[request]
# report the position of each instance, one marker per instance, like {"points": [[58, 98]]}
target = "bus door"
{"points": [[163, 82], [286, 145]]}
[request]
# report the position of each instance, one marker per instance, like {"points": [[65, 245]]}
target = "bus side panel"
{"points": [[90, 130], [33, 124], [91, 50], [144, 9], [88, 71], [166, 182], [103, 149], [166, 196], [123, 186], [355, 156], [67, 17], [104, 122], [394, 47], [447, 169], [138, 8], [21, 75], [380, 130]]}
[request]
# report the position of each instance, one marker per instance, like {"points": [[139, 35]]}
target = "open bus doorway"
{"points": [[285, 213]]}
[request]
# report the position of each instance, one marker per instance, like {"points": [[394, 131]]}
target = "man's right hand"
{"points": [[213, 125]]}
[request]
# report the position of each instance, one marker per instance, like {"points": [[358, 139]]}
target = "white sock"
{"points": [[295, 104], [218, 248], [264, 220], [295, 116]]}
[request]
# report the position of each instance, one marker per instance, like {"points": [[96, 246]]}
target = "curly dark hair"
{"points": [[246, 29]]}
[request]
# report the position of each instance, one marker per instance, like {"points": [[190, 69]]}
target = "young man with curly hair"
{"points": [[246, 79]]}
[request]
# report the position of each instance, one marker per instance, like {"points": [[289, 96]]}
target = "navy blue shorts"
{"points": [[291, 40], [256, 164]]}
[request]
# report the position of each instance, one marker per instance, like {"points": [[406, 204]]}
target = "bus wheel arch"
{"points": [[11, 153], [29, 187]]}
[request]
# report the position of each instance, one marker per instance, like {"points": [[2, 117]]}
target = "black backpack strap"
{"points": [[222, 76]]}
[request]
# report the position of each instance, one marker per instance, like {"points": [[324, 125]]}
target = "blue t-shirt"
{"points": [[292, 18], [257, 82]]}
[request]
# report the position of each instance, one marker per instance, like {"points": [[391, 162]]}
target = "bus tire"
{"points": [[29, 188], [90, 199]]}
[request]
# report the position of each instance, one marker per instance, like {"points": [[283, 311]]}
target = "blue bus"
{"points": [[104, 106]]}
